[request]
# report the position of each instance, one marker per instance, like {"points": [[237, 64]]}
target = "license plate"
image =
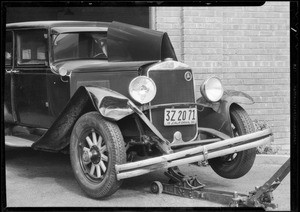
{"points": [[180, 116]]}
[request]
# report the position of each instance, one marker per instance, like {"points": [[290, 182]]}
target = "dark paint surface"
{"points": [[117, 81], [8, 107], [128, 43], [217, 115], [58, 92], [8, 115], [238, 97], [84, 100], [39, 95], [56, 137], [209, 118]]}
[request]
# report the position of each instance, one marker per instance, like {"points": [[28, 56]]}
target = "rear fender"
{"points": [[217, 115], [110, 104]]}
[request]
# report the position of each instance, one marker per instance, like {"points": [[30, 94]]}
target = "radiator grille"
{"points": [[172, 87]]}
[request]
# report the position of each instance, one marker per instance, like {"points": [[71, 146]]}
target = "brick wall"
{"points": [[247, 47]]}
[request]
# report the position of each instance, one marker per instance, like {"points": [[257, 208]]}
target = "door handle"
{"points": [[15, 71], [8, 71]]}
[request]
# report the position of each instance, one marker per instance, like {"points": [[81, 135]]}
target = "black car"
{"points": [[115, 97]]}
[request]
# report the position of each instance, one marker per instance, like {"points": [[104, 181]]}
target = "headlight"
{"points": [[212, 89], [142, 89]]}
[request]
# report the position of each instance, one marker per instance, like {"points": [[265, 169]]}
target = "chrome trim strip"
{"points": [[169, 104]]}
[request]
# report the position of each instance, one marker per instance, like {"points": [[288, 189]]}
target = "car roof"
{"points": [[51, 24]]}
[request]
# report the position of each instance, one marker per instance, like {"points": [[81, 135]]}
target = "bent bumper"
{"points": [[196, 154]]}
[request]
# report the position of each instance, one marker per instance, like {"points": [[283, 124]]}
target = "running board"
{"points": [[13, 141]]}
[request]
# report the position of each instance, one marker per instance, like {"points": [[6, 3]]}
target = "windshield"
{"points": [[80, 45]]}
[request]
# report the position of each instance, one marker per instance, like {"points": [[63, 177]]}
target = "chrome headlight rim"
{"points": [[63, 71], [203, 89], [141, 101]]}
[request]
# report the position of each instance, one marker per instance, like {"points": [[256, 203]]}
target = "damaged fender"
{"points": [[110, 104], [217, 115]]}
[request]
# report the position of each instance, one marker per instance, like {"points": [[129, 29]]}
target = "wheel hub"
{"points": [[95, 155]]}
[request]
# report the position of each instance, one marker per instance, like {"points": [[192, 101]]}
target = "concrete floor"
{"points": [[41, 179]]}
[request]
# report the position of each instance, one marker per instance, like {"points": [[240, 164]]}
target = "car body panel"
{"points": [[217, 115], [107, 79], [57, 136], [110, 104], [31, 104], [8, 110], [87, 66], [100, 73], [237, 97], [128, 43], [125, 42], [218, 120], [58, 93]]}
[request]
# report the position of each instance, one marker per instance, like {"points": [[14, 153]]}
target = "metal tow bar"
{"points": [[186, 186]]}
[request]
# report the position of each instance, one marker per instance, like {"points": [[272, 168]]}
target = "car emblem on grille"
{"points": [[188, 76]]}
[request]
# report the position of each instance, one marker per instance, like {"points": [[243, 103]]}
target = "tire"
{"points": [[93, 160], [156, 187], [238, 164]]}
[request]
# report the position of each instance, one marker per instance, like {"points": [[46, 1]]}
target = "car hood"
{"points": [[98, 65], [132, 43]]}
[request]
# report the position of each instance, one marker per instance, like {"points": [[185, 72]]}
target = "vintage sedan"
{"points": [[115, 97]]}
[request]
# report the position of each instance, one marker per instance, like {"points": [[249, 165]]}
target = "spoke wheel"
{"points": [[236, 165], [94, 155], [96, 146]]}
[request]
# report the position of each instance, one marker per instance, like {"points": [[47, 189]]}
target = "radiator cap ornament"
{"points": [[188, 76]]}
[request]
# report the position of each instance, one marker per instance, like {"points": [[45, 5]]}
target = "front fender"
{"points": [[232, 96], [110, 104], [217, 115]]}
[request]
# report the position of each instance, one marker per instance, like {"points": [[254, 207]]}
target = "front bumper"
{"points": [[196, 154]]}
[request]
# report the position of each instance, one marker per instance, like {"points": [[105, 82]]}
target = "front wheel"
{"points": [[237, 164], [96, 146]]}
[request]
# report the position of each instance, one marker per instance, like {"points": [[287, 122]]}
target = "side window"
{"points": [[8, 49], [32, 47]]}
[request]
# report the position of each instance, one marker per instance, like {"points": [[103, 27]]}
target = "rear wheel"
{"points": [[237, 164], [96, 147]]}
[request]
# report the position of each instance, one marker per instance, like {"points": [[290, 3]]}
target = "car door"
{"points": [[8, 108], [29, 78]]}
